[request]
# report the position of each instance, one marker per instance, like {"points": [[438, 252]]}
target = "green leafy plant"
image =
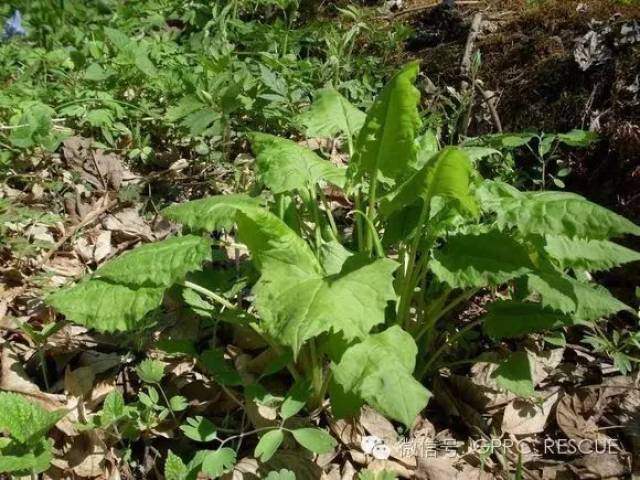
{"points": [[361, 305], [25, 450], [544, 147]]}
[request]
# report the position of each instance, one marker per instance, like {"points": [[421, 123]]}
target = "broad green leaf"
{"points": [[577, 138], [332, 256], [554, 289], [595, 301], [296, 306], [268, 445], [33, 126], [272, 243], [331, 114], [199, 121], [582, 301], [509, 319], [211, 213], [285, 166], [380, 371], [343, 404], [515, 374], [199, 429], [591, 255], [23, 420], [106, 306], [159, 264], [174, 467], [113, 408], [219, 461], [315, 440], [142, 61], [95, 73], [478, 153], [507, 141], [552, 213], [119, 39], [386, 143], [480, 260], [183, 108], [24, 460], [150, 371], [447, 175]]}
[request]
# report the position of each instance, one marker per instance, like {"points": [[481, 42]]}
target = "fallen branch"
{"points": [[488, 99]]}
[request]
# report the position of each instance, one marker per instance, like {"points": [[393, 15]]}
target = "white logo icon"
{"points": [[372, 445]]}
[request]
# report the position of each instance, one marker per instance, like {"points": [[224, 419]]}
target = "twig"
{"points": [[488, 99], [476, 23], [90, 218]]}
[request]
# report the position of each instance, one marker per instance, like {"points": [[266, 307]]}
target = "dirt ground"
{"points": [[528, 60]]}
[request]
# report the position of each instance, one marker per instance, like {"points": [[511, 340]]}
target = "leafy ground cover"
{"points": [[253, 239]]}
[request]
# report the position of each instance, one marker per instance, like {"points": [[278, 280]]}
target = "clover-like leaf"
{"points": [[295, 399], [282, 474], [150, 371], [268, 445], [199, 429], [219, 461], [178, 403]]}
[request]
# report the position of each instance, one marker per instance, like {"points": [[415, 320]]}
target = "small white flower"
{"points": [[369, 443], [381, 452]]}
